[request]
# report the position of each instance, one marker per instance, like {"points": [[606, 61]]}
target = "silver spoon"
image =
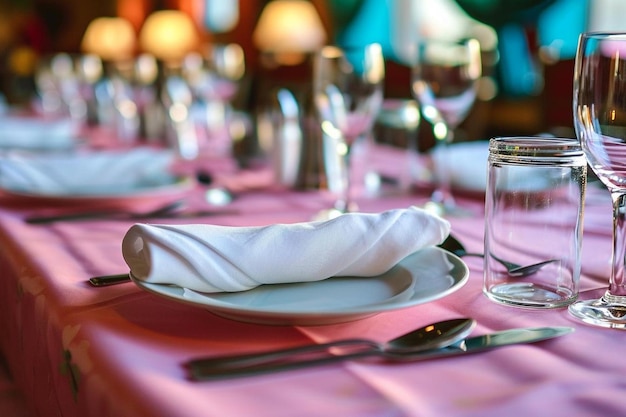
{"points": [[453, 245], [432, 336]]}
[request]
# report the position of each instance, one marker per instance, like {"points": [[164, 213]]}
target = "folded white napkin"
{"points": [[465, 162], [211, 258], [85, 173], [36, 133]]}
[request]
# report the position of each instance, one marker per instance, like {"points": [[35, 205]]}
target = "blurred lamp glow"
{"points": [[289, 28], [111, 38], [169, 35]]}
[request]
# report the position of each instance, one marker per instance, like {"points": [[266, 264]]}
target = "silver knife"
{"points": [[467, 346]]}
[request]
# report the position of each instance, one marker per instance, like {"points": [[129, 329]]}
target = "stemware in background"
{"points": [[348, 94], [444, 81], [214, 78], [58, 86], [599, 106], [89, 71]]}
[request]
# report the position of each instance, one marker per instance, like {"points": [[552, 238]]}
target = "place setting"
{"points": [[35, 134], [388, 269], [88, 176], [343, 208]]}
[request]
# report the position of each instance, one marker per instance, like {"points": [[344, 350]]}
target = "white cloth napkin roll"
{"points": [[210, 258], [37, 133], [85, 173]]}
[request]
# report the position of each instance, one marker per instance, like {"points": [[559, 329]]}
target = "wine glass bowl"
{"points": [[444, 81], [599, 106], [215, 74], [214, 77], [348, 94]]}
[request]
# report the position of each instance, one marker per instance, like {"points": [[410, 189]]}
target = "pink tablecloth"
{"points": [[75, 350]]}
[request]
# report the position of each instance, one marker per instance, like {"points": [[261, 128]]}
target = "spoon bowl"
{"points": [[432, 336], [451, 244]]}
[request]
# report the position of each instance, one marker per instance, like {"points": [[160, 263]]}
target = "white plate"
{"points": [[91, 175], [424, 276], [166, 186]]}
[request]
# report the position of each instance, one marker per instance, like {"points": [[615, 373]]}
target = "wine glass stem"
{"points": [[442, 193], [617, 283], [344, 203]]}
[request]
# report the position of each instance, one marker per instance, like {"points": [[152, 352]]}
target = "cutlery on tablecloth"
{"points": [[168, 211], [467, 346], [106, 280], [432, 336]]}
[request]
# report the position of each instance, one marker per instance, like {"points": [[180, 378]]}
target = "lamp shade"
{"points": [[169, 35], [287, 26], [111, 38]]}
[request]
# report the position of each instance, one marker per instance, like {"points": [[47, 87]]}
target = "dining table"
{"points": [[74, 349]]}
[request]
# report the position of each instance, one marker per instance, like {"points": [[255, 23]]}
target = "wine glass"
{"points": [[599, 105], [444, 81], [348, 94], [214, 78]]}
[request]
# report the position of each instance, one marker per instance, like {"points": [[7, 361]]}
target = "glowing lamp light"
{"points": [[289, 29], [169, 35], [111, 38]]}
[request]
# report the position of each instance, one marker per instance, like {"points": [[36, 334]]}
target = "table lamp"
{"points": [[111, 38], [288, 29], [169, 35]]}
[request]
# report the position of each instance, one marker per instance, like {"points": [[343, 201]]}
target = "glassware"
{"points": [[444, 82], [533, 221], [214, 78], [600, 123], [348, 94]]}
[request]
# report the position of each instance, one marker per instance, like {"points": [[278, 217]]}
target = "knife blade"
{"points": [[467, 346]]}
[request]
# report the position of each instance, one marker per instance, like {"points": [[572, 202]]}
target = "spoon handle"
{"points": [[199, 373], [233, 363]]}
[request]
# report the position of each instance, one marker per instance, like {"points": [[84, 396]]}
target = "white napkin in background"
{"points": [[210, 258], [35, 133], [84, 173], [466, 163]]}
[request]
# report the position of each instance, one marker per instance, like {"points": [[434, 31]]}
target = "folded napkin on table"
{"points": [[210, 258], [85, 173], [465, 162], [36, 133]]}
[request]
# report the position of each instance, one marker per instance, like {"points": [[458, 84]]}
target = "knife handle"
{"points": [[104, 280]]}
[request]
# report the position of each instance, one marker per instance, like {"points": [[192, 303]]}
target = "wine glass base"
{"points": [[600, 312]]}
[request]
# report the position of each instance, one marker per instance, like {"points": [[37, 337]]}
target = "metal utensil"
{"points": [[432, 336], [467, 346], [168, 208], [173, 210], [106, 280], [453, 245]]}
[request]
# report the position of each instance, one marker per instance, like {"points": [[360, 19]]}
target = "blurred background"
{"points": [[527, 45]]}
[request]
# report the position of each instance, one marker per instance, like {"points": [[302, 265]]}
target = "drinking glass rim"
{"points": [[535, 147]]}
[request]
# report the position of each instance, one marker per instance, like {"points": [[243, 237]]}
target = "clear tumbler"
{"points": [[534, 206]]}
